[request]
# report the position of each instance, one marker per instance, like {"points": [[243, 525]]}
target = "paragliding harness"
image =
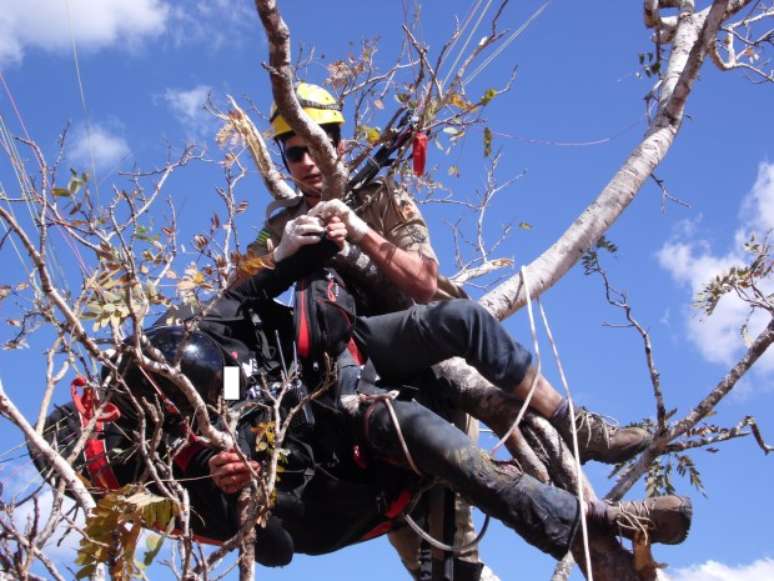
{"points": [[324, 317]]}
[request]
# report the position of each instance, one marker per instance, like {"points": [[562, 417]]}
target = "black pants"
{"points": [[546, 517], [403, 344]]}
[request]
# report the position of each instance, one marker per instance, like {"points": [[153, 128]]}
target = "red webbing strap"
{"points": [[95, 452], [303, 334], [393, 511], [183, 457], [355, 351]]}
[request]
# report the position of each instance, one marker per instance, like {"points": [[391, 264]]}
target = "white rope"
{"points": [[6, 139], [575, 447], [467, 42], [464, 26], [456, 549], [533, 385], [89, 132], [386, 399], [514, 35]]}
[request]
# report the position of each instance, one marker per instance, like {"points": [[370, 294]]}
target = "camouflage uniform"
{"points": [[389, 210]]}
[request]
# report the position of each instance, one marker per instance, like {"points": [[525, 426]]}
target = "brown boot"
{"points": [[599, 439], [662, 519]]}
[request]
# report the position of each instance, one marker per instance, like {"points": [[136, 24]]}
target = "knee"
{"points": [[460, 316], [273, 545]]}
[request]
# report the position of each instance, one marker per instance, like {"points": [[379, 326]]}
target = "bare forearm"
{"points": [[414, 274]]}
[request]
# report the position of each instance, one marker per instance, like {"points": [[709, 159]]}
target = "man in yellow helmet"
{"points": [[390, 237], [393, 262], [398, 241]]}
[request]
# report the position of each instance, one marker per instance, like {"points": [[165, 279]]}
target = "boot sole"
{"points": [[686, 512]]}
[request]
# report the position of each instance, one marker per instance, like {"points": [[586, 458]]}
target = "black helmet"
{"points": [[201, 360]]}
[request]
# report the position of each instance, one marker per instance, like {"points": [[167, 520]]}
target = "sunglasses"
{"points": [[296, 153]]}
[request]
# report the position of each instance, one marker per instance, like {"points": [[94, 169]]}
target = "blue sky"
{"points": [[573, 115]]}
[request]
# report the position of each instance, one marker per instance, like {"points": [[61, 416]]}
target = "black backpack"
{"points": [[324, 316]]}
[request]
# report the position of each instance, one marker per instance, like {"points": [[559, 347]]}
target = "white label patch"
{"points": [[231, 383]]}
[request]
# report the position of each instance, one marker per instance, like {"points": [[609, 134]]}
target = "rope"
{"points": [[14, 106], [89, 133], [26, 188], [462, 28], [6, 139], [456, 549], [386, 399], [525, 405], [575, 447], [514, 35], [533, 385], [467, 40]]}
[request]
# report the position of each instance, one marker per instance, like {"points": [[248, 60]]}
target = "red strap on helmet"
{"points": [[95, 452]]}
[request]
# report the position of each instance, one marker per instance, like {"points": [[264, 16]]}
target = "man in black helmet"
{"points": [[393, 432]]}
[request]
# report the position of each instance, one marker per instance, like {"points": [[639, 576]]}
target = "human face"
{"points": [[303, 168]]}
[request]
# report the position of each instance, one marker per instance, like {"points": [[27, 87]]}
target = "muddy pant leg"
{"points": [[544, 516], [407, 543], [404, 343]]}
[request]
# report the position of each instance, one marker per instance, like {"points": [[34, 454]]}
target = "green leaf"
{"points": [[373, 135], [61, 192], [153, 543], [489, 94], [487, 142], [86, 571]]}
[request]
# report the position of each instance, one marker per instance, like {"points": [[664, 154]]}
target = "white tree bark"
{"points": [[694, 35], [282, 85]]}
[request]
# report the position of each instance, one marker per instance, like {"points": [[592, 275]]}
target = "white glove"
{"points": [[356, 227], [298, 232]]}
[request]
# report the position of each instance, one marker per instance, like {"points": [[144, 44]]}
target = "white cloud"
{"points": [[761, 570], [758, 207], [20, 481], [188, 107], [98, 144], [52, 25], [692, 262], [218, 23]]}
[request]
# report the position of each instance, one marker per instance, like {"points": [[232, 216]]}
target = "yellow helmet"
{"points": [[318, 103]]}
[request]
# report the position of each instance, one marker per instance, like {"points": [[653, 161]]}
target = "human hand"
{"points": [[326, 211], [298, 232], [229, 472], [336, 231]]}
